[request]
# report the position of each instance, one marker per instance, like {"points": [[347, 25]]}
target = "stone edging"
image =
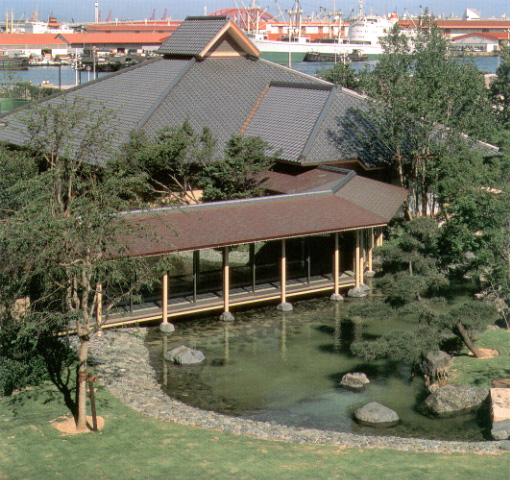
{"points": [[122, 364]]}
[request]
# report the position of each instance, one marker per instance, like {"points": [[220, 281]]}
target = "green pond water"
{"points": [[285, 368]]}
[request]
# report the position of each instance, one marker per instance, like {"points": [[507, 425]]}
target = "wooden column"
{"points": [[283, 269], [164, 298], [370, 249], [226, 315], [226, 280], [362, 257], [336, 266], [284, 306], [357, 261], [99, 309], [335, 296]]}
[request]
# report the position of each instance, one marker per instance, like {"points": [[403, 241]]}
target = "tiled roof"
{"points": [[316, 179], [194, 34], [220, 93], [286, 116], [129, 94], [267, 218], [229, 223], [307, 119]]}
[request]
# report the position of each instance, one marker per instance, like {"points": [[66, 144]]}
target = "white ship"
{"points": [[363, 39]]}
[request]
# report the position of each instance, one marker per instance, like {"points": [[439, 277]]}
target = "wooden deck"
{"points": [[183, 305]]}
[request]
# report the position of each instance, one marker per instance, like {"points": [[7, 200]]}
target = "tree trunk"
{"points": [[81, 384], [469, 343]]}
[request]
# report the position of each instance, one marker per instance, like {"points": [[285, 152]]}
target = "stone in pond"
{"points": [[434, 361], [167, 328], [354, 381], [184, 356], [452, 400], [376, 415]]}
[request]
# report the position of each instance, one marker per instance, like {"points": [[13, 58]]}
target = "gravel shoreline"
{"points": [[121, 361]]}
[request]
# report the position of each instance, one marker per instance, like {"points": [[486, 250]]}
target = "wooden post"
{"points": [[284, 306], [164, 299], [226, 280], [336, 267], [357, 261], [91, 380], [362, 257], [370, 249], [99, 309], [283, 267]]}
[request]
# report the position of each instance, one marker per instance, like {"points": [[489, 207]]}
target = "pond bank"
{"points": [[121, 361]]}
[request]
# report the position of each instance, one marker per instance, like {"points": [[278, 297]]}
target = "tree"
{"points": [[233, 176], [500, 88], [179, 161], [340, 74], [60, 232], [425, 104], [173, 161]]}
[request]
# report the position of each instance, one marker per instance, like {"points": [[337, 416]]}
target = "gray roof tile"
{"points": [[128, 94], [193, 35], [286, 116], [220, 93]]}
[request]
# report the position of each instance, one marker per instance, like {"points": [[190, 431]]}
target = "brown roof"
{"points": [[266, 218], [312, 180]]}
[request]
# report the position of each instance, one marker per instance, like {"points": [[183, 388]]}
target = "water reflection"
{"points": [[285, 367]]}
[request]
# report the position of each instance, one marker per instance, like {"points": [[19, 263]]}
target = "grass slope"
{"points": [[135, 447], [470, 371]]}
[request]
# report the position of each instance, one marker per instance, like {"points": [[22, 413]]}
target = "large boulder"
{"points": [[434, 361], [376, 415], [452, 400], [355, 381], [184, 356]]}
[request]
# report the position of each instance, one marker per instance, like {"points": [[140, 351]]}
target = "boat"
{"points": [[355, 56], [363, 40]]}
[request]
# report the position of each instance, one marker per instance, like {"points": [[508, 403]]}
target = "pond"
{"points": [[285, 368]]}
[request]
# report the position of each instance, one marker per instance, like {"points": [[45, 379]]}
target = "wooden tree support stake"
{"points": [[91, 380]]}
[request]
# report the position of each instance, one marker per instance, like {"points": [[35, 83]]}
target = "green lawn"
{"points": [[467, 370], [134, 447]]}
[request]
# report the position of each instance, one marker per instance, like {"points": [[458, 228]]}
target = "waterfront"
{"points": [[50, 74]]}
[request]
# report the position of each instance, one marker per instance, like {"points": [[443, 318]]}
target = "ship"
{"points": [[361, 41]]}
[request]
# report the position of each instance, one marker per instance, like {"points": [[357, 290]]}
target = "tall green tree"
{"points": [[426, 103], [500, 88], [61, 238]]}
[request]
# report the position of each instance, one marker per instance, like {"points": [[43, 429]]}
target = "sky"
{"points": [[83, 11]]}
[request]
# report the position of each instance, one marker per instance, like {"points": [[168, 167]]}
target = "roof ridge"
{"points": [[165, 94], [240, 201], [254, 109], [320, 118]]}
